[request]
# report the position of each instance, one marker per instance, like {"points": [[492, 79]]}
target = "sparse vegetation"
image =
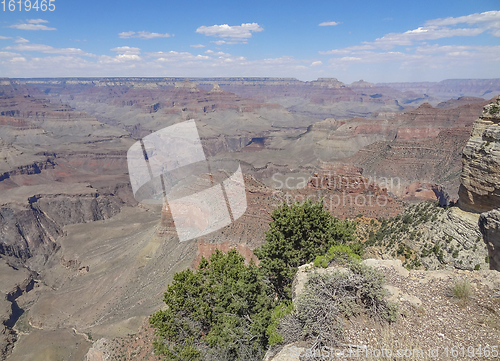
{"points": [[340, 254], [494, 109], [461, 290], [420, 241], [328, 298]]}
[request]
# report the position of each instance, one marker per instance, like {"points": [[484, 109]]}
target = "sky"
{"points": [[377, 41]]}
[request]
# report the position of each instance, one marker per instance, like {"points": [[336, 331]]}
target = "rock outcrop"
{"points": [[489, 224], [13, 283], [33, 217], [480, 180], [98, 351]]}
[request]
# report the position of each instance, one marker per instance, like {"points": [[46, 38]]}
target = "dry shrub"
{"points": [[328, 299]]}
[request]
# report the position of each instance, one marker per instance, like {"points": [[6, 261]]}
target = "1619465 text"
{"points": [[28, 5]]}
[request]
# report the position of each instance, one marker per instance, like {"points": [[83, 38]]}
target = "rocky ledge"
{"points": [[480, 180], [430, 317]]}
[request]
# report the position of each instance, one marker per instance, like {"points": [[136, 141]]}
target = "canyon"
{"points": [[82, 261]]}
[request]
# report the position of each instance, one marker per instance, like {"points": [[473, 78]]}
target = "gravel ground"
{"points": [[432, 320]]}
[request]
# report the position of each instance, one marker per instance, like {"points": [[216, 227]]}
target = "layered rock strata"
{"points": [[489, 224], [480, 180]]}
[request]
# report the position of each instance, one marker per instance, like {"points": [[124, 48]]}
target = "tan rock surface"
{"points": [[480, 180], [489, 224]]}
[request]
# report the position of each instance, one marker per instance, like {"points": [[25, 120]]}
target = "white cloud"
{"points": [[124, 54], [329, 23], [232, 34], [349, 49], [142, 35], [169, 63], [4, 37], [197, 46], [33, 24], [450, 61], [126, 34], [420, 34], [222, 42], [486, 17], [128, 57], [18, 59], [316, 63], [8, 54], [174, 56], [431, 30], [422, 55], [488, 21], [374, 57], [219, 53], [490, 53], [279, 61], [127, 50], [36, 21], [47, 49], [20, 40]]}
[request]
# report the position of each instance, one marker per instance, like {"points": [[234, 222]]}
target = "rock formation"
{"points": [[33, 217], [489, 224], [216, 89], [480, 180]]}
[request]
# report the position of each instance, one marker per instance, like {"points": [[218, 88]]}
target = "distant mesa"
{"points": [[453, 103], [361, 84], [328, 83], [425, 106], [216, 89], [187, 85]]}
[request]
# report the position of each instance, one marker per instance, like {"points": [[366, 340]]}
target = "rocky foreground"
{"points": [[430, 317]]}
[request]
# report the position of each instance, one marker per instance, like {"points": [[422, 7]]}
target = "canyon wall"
{"points": [[480, 180], [489, 224]]}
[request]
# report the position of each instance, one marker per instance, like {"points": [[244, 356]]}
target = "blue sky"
{"points": [[378, 41]]}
